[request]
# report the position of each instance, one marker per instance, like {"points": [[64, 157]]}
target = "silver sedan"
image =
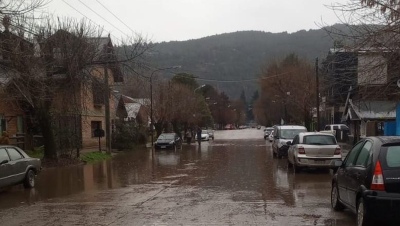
{"points": [[313, 149]]}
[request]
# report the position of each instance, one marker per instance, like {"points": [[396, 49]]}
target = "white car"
{"points": [[313, 149], [204, 135]]}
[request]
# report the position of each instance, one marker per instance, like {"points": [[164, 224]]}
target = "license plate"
{"points": [[163, 146]]}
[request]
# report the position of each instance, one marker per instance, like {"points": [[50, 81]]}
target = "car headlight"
{"points": [[172, 142]]}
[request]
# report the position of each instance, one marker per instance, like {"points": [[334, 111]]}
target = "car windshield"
{"points": [[319, 140], [166, 137], [290, 133], [393, 156], [204, 132]]}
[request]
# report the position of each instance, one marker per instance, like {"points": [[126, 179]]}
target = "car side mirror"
{"points": [[4, 162], [289, 143]]}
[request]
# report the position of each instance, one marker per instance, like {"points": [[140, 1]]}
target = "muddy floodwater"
{"points": [[232, 180]]}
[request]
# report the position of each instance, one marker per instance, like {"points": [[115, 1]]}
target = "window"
{"points": [[3, 155], [290, 133], [393, 156], [327, 128], [95, 125], [352, 154], [3, 124], [98, 93], [20, 124], [362, 159], [57, 53], [319, 140], [14, 154], [335, 127]]}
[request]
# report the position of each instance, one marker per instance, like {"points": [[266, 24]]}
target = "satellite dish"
{"points": [[398, 83]]}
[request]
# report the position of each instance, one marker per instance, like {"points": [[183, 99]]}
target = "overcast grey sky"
{"points": [[169, 20]]}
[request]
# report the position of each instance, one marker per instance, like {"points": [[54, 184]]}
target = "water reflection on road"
{"points": [[245, 169]]}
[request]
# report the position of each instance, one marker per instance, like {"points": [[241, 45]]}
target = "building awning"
{"points": [[371, 110]]}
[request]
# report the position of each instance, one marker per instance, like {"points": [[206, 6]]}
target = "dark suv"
{"points": [[368, 181], [16, 167]]}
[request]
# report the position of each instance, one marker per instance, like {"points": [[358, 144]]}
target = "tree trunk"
{"points": [[45, 121]]}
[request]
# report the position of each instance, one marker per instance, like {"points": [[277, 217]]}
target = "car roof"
{"points": [[291, 127], [315, 133], [7, 146], [386, 139]]}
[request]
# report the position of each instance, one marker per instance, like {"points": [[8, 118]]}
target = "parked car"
{"points": [[340, 131], [267, 132], [313, 149], [168, 141], [211, 133], [204, 135], [368, 181], [16, 167], [271, 137], [283, 134]]}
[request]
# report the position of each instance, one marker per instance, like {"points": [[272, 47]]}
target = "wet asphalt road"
{"points": [[233, 180]]}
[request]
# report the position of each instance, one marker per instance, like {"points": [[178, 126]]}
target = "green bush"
{"points": [[127, 135], [94, 157]]}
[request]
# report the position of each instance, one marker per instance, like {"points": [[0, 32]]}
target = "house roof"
{"points": [[371, 110], [142, 101], [132, 109]]}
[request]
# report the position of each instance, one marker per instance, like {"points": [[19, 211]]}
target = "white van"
{"points": [[283, 134]]}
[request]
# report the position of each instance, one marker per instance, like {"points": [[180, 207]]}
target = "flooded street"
{"points": [[232, 180]]}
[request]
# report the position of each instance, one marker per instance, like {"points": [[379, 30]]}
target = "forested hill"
{"points": [[239, 56]]}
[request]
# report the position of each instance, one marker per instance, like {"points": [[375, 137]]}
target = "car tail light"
{"points": [[337, 151], [377, 180], [301, 150]]}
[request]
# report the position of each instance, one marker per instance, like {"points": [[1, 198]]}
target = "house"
{"points": [[131, 109], [83, 104], [362, 90], [12, 117], [369, 118]]}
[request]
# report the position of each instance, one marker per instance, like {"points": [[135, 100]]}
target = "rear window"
{"points": [[319, 140], [290, 133], [393, 156]]}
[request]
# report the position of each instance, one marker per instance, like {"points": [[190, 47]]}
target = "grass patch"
{"points": [[38, 152], [94, 157]]}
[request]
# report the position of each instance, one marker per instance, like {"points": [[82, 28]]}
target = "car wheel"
{"points": [[362, 216], [29, 181], [335, 202]]}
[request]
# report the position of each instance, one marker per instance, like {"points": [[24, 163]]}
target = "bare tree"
{"points": [[287, 92], [55, 69]]}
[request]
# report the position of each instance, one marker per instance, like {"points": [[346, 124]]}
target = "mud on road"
{"points": [[233, 180]]}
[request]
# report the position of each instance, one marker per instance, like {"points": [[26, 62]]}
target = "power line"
{"points": [[90, 19], [102, 18], [115, 16]]}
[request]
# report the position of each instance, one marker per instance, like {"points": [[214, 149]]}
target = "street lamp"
{"points": [[151, 98]]}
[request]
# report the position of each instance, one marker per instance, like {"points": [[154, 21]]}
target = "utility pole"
{"points": [[107, 109], [317, 87]]}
